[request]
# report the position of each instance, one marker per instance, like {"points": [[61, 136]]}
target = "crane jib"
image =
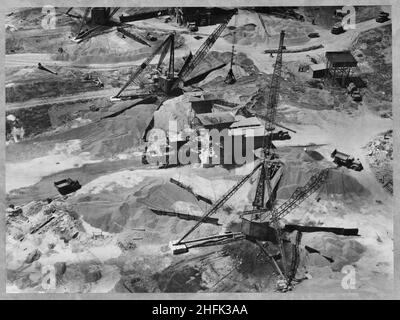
{"points": [[221, 201]]}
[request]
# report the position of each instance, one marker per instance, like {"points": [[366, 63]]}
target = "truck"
{"points": [[345, 160], [356, 95], [281, 135], [354, 92], [193, 27], [67, 186], [382, 17], [337, 28]]}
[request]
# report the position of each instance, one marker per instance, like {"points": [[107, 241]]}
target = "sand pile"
{"points": [[343, 250], [338, 183], [301, 165], [175, 109], [165, 197], [247, 30], [111, 136], [311, 156]]}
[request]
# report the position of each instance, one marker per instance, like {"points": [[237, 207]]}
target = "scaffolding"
{"points": [[339, 66]]}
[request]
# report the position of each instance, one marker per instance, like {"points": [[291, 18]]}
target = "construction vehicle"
{"points": [[313, 35], [280, 135], [192, 27], [351, 87], [188, 67], [167, 45], [382, 17], [13, 211], [345, 17], [150, 37], [98, 82], [67, 186], [354, 92], [101, 21], [261, 225], [89, 78], [337, 28], [270, 173], [345, 160], [169, 82]]}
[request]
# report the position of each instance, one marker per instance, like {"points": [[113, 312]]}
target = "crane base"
{"points": [[178, 248]]}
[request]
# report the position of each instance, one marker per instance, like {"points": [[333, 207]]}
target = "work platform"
{"points": [[340, 65]]}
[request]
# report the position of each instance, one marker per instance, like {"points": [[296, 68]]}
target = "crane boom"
{"points": [[83, 21], [265, 174], [202, 52], [298, 196], [221, 201], [274, 89], [144, 65]]}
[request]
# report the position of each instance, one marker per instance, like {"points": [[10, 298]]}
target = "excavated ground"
{"points": [[71, 139]]}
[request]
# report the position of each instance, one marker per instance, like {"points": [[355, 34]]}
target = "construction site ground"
{"points": [[72, 129]]}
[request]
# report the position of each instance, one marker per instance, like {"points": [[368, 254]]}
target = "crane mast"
{"points": [[274, 92], [267, 170]]}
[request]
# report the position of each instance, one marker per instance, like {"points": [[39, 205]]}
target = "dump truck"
{"points": [[193, 27], [382, 17], [345, 160], [150, 37], [67, 186], [337, 28]]}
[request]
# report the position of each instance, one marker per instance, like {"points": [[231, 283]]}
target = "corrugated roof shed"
{"points": [[209, 119], [341, 58]]}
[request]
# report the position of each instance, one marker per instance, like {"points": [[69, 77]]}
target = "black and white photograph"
{"points": [[197, 150]]}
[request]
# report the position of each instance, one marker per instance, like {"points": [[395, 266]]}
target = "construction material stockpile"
{"points": [[301, 165]]}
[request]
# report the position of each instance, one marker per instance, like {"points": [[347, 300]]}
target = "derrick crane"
{"points": [[169, 83], [167, 43], [101, 18], [267, 169], [201, 52], [274, 92], [259, 231], [297, 197], [220, 202], [101, 21], [270, 169]]}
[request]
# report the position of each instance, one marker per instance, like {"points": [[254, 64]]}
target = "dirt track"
{"points": [[112, 190], [70, 98]]}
